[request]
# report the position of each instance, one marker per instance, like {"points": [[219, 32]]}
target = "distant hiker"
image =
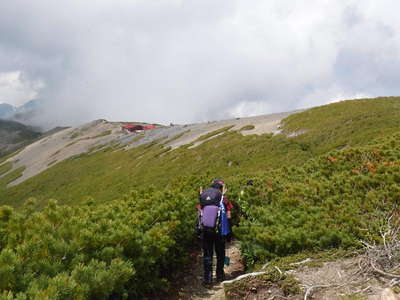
{"points": [[214, 214]]}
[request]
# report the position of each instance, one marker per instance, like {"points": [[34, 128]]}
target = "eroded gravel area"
{"points": [[69, 142]]}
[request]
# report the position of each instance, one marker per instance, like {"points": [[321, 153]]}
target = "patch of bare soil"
{"points": [[343, 279], [62, 145], [256, 288], [336, 280], [262, 124], [370, 275]]}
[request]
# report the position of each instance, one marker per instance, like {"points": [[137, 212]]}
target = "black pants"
{"points": [[213, 240]]}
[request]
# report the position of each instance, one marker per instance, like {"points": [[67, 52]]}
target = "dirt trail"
{"points": [[191, 284]]}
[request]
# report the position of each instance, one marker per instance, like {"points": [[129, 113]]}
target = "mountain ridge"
{"points": [[14, 135], [156, 156], [101, 133]]}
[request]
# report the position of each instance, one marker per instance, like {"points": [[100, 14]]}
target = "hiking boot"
{"points": [[220, 277]]}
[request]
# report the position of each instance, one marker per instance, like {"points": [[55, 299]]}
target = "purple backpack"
{"points": [[209, 215]]}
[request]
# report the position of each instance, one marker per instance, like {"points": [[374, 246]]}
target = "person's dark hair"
{"points": [[217, 184]]}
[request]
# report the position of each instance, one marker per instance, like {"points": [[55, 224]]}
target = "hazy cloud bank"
{"points": [[186, 61]]}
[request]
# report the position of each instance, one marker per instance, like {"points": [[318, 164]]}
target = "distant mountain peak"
{"points": [[22, 113], [6, 110]]}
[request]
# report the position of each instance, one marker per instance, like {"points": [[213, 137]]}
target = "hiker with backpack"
{"points": [[214, 214]]}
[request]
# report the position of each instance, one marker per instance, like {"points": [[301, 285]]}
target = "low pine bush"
{"points": [[330, 202], [124, 248]]}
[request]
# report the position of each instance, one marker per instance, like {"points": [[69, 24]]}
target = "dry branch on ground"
{"points": [[384, 259]]}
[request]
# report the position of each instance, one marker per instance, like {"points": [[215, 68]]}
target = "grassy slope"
{"points": [[348, 123], [108, 174]]}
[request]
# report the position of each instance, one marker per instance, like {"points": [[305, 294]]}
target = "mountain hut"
{"points": [[137, 127]]}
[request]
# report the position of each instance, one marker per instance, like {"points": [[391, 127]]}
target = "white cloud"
{"points": [[15, 89], [329, 94], [248, 109], [185, 61], [341, 97]]}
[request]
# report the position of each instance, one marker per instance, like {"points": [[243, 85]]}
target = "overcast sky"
{"points": [[186, 61]]}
